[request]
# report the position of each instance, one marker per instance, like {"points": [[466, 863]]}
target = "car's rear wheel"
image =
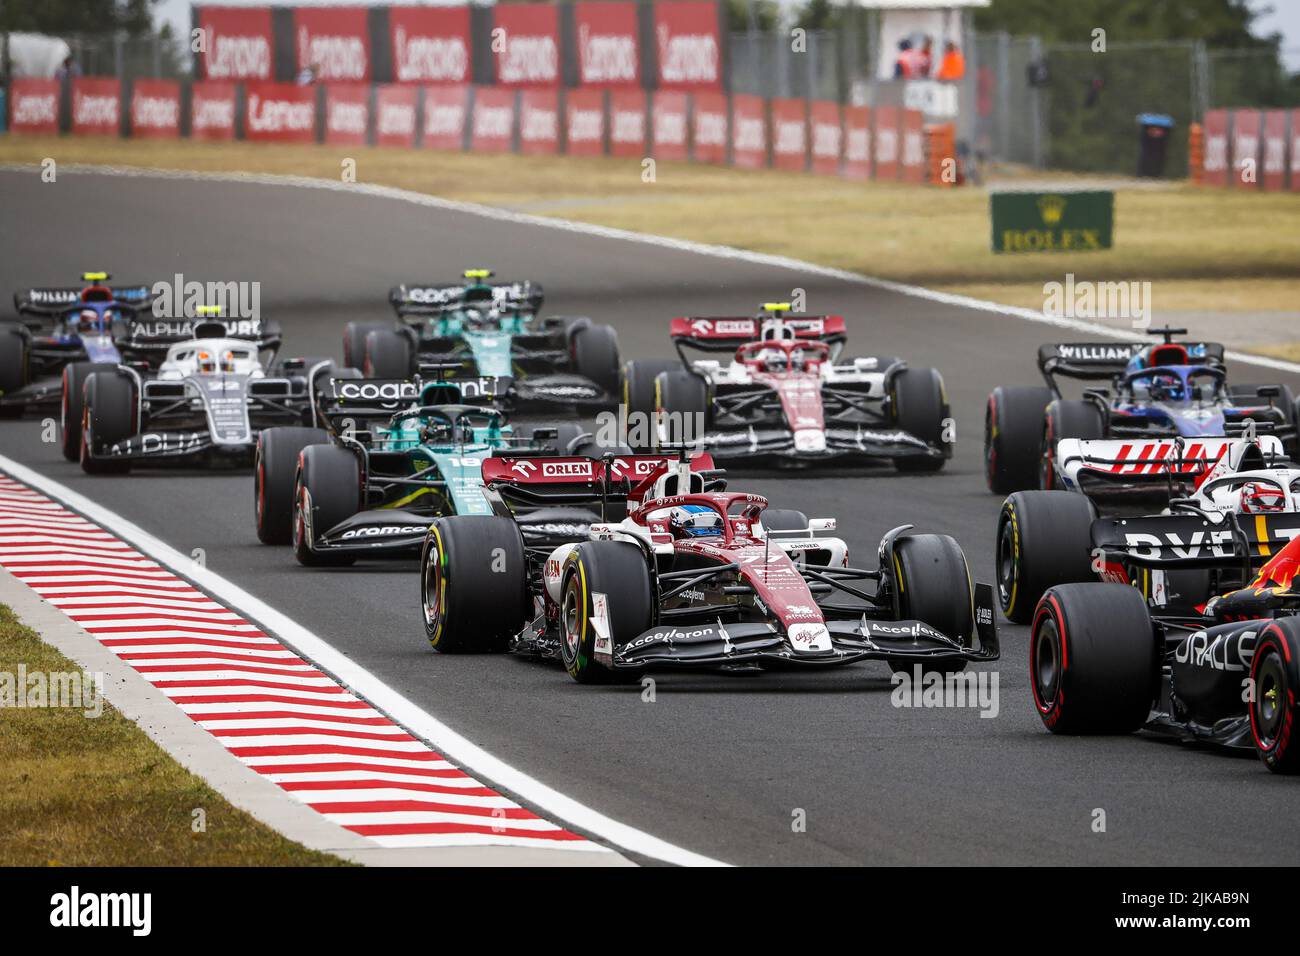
{"points": [[73, 404], [1066, 418], [13, 367], [1275, 677], [1092, 659], [639, 396], [327, 490], [1013, 432], [595, 355], [110, 414], [473, 584], [1044, 538], [919, 406], [933, 587], [275, 470], [354, 341], [682, 401], [606, 582], [388, 355], [783, 519]]}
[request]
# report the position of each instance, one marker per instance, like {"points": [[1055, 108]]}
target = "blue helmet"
{"points": [[695, 521]]}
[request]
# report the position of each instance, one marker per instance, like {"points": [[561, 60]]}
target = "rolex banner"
{"points": [[1052, 222]]}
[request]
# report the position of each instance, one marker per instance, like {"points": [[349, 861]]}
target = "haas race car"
{"points": [[387, 457], [786, 397], [62, 328], [199, 393], [1163, 390], [629, 563], [492, 329]]}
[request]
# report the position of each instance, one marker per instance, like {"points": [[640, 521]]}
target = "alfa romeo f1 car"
{"points": [[214, 386], [786, 396], [61, 327], [1103, 662], [1232, 504], [1163, 390], [385, 459], [629, 563], [492, 329]]}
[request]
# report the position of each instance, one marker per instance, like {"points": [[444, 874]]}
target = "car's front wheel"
{"points": [[606, 601]]}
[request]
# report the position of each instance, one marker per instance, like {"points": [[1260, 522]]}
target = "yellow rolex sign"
{"points": [[1052, 222]]}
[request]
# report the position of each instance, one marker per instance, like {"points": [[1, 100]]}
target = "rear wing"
{"points": [[1192, 541], [153, 334], [382, 398], [432, 299], [50, 301], [1119, 466], [524, 483], [1104, 360], [724, 333]]}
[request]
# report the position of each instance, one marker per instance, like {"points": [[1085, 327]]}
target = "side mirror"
{"points": [[821, 524], [1269, 391]]}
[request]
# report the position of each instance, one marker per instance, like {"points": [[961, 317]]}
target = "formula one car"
{"points": [[216, 386], [62, 327], [491, 329], [1103, 662], [785, 397], [1231, 504], [385, 459], [1160, 390], [630, 563]]}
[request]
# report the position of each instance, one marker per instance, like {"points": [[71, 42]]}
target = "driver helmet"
{"points": [[773, 360], [1262, 497], [694, 521], [87, 320], [1168, 385]]}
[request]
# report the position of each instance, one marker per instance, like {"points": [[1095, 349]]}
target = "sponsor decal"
{"points": [[381, 391], [383, 531], [524, 469], [566, 469], [238, 43], [1223, 652], [811, 637]]}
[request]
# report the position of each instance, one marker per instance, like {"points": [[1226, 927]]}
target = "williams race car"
{"points": [[629, 563], [491, 329], [1160, 390], [785, 396]]}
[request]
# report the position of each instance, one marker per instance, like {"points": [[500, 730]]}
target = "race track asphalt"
{"points": [[719, 765]]}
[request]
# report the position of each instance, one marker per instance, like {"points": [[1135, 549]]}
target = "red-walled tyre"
{"points": [[1275, 677]]}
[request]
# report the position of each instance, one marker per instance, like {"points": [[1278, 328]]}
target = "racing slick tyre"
{"points": [[1066, 418], [783, 519], [110, 414], [682, 399], [608, 579], [1092, 659], [388, 354], [595, 355], [473, 584], [1013, 434], [327, 490], [919, 406], [275, 470], [73, 405], [934, 588], [639, 392], [1275, 677], [1044, 539], [354, 341], [13, 366]]}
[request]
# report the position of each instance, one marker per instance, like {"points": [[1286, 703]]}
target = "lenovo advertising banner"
{"points": [[334, 42], [347, 114], [279, 113], [34, 106], [887, 142], [539, 122], [912, 160], [445, 108], [237, 43], [1215, 162], [526, 44], [1245, 148], [790, 134], [668, 113], [627, 124], [395, 113], [748, 131], [155, 109], [430, 44], [584, 122], [709, 128], [492, 123], [1274, 161], [827, 137], [606, 35], [96, 106], [212, 110], [688, 44]]}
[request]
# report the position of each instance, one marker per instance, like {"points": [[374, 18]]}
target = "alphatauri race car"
{"points": [[1231, 504], [1164, 390], [629, 563], [216, 386], [785, 396], [57, 328], [1102, 661], [492, 329]]}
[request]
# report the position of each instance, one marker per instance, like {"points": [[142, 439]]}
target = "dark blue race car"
{"points": [[1163, 390]]}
